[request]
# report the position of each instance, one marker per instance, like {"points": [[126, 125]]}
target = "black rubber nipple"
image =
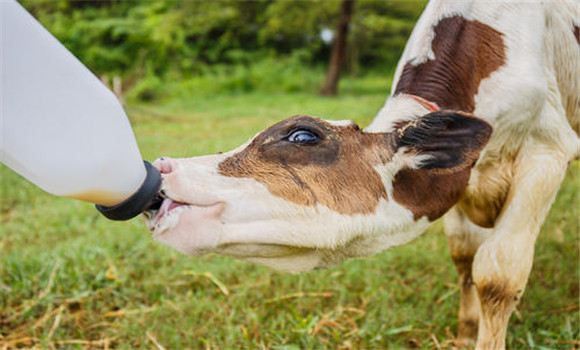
{"points": [[146, 197]]}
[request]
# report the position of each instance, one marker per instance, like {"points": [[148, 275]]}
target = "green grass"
{"points": [[70, 278]]}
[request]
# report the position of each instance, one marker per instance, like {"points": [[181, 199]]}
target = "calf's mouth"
{"points": [[162, 208], [188, 227]]}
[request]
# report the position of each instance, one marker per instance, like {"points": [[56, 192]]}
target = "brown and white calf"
{"points": [[308, 193]]}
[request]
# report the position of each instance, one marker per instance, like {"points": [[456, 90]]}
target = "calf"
{"points": [[308, 193]]}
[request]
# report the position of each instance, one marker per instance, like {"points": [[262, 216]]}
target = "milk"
{"points": [[61, 128]]}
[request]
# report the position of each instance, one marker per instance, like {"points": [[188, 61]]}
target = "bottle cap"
{"points": [[140, 201]]}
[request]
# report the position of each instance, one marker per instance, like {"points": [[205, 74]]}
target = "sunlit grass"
{"points": [[68, 276]]}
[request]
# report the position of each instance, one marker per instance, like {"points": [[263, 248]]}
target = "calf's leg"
{"points": [[503, 262], [464, 238]]}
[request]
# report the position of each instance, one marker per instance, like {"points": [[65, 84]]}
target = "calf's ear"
{"points": [[445, 140], [446, 145]]}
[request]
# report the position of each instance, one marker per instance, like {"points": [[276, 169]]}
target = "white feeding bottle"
{"points": [[62, 129]]}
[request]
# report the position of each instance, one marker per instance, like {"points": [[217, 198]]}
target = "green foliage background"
{"points": [[150, 42]]}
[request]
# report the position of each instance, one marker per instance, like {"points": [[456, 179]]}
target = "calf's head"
{"points": [[307, 193]]}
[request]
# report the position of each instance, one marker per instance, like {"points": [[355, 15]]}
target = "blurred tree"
{"points": [[339, 47]]}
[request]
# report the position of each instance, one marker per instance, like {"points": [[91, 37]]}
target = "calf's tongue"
{"points": [[174, 204], [167, 205]]}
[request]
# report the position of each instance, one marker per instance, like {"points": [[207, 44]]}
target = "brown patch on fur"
{"points": [[494, 297], [337, 172], [467, 329], [577, 34], [427, 193], [486, 195], [463, 265], [466, 52], [498, 299]]}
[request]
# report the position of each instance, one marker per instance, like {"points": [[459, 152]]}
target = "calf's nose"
{"points": [[164, 165]]}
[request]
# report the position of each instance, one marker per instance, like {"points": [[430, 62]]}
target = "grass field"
{"points": [[70, 278]]}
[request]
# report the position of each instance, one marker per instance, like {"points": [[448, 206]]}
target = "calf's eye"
{"points": [[303, 136]]}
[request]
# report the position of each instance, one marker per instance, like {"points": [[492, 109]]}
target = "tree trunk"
{"points": [[338, 56]]}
